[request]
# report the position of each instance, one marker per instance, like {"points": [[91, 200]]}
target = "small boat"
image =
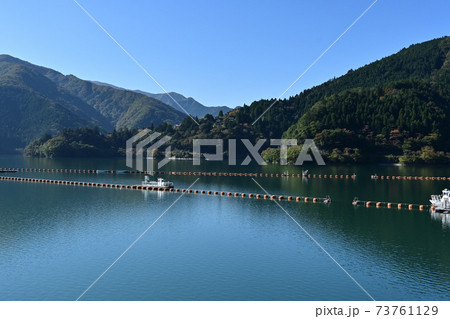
{"points": [[7, 170], [161, 182], [441, 203]]}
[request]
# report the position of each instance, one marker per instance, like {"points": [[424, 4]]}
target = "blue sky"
{"points": [[219, 52]]}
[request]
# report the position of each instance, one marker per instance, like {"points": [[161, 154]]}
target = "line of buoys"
{"points": [[151, 188], [410, 178], [97, 171], [378, 204]]}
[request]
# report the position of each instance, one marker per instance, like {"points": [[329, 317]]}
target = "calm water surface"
{"points": [[56, 240]]}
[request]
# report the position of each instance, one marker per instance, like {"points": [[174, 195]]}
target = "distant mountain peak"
{"points": [[189, 104], [35, 100]]}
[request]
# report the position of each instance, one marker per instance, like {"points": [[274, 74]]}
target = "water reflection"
{"points": [[443, 218], [151, 194]]}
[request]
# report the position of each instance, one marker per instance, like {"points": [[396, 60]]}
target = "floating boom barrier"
{"points": [[325, 200], [319, 176], [378, 204], [97, 171], [410, 178], [7, 170]]}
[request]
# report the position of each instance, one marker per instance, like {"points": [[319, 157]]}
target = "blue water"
{"points": [[56, 240]]}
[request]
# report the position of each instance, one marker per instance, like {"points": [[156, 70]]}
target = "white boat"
{"points": [[441, 203], [160, 182]]}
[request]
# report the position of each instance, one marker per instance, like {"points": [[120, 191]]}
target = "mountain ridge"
{"points": [[188, 104], [74, 103]]}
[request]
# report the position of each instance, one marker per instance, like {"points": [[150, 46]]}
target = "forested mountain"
{"points": [[407, 118], [189, 104], [419, 61], [395, 109], [80, 142], [35, 100]]}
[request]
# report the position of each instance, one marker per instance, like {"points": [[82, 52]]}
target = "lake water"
{"points": [[56, 240]]}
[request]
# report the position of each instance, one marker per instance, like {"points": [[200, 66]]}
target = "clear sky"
{"points": [[219, 52]]}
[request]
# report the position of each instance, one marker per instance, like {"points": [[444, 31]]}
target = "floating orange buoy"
{"points": [[389, 205], [266, 196], [314, 200], [378, 205], [273, 197], [399, 206], [368, 204], [306, 199], [410, 206], [280, 198]]}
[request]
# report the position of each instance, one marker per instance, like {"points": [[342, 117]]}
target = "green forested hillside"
{"points": [[80, 142], [400, 118], [419, 61], [407, 120], [113, 104], [395, 109], [35, 100]]}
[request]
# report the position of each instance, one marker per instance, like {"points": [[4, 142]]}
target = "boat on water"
{"points": [[441, 203], [160, 182], [6, 170]]}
